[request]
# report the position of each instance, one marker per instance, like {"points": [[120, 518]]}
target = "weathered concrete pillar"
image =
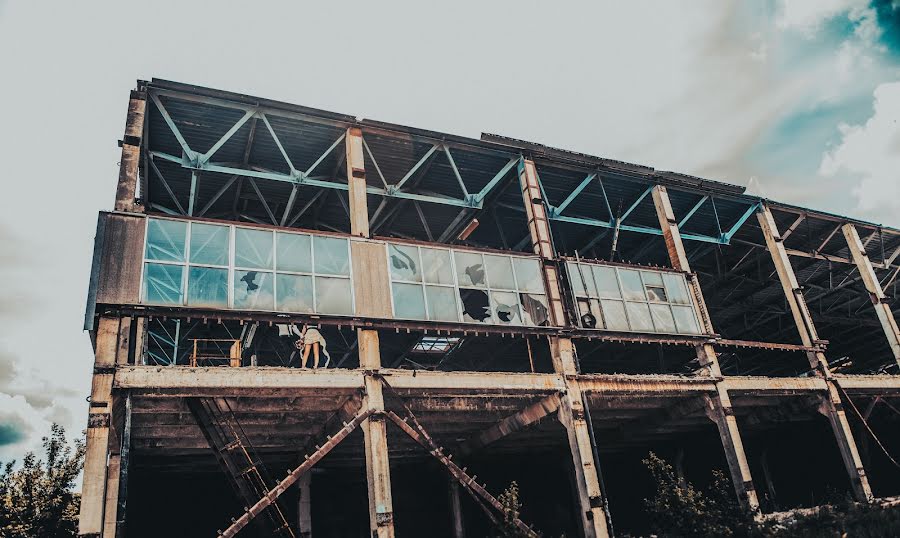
{"points": [[456, 518], [571, 410], [718, 408], [873, 286], [831, 405], [369, 298], [304, 506], [126, 189]]}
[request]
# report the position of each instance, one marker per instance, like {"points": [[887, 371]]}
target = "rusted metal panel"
{"points": [[119, 277]]}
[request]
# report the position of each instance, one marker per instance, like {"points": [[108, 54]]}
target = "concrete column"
{"points": [[356, 179], [94, 487], [304, 506], [831, 405], [571, 414], [718, 408], [127, 186], [873, 286], [378, 472]]}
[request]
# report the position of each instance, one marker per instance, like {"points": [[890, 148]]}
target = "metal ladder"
{"points": [[237, 457]]}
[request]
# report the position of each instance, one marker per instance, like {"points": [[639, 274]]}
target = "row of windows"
{"points": [[226, 266], [639, 300], [452, 285], [219, 266]]}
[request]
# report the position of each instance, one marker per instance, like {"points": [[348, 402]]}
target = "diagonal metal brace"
{"points": [[294, 475]]}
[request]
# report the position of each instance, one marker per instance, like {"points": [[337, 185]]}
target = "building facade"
{"points": [[528, 312]]}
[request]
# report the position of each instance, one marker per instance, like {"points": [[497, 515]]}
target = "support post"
{"points": [[831, 406], [96, 489], [718, 408], [456, 517], [571, 412], [378, 472], [304, 506], [126, 189], [873, 286]]}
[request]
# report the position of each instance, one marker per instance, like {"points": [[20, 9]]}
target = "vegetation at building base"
{"points": [[680, 509], [37, 500]]}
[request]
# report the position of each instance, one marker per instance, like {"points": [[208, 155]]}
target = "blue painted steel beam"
{"points": [[584, 183], [740, 222], [324, 155], [496, 179], [227, 136], [692, 211], [635, 204], [637, 229], [459, 178], [415, 167], [278, 143], [172, 127]]}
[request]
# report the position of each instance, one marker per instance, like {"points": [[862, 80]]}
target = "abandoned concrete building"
{"points": [[492, 310]]}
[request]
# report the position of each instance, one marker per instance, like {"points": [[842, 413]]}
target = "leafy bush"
{"points": [[37, 501]]}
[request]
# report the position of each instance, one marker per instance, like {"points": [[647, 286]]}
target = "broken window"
{"points": [[331, 256], [470, 270], [404, 263], [654, 301], [475, 305], [253, 290]]}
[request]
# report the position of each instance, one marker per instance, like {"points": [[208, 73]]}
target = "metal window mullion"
{"points": [[424, 294], [232, 232], [624, 300]]}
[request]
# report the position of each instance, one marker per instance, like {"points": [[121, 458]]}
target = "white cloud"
{"points": [[870, 153], [808, 16]]}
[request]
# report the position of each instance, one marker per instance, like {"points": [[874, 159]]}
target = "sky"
{"points": [[797, 100]]}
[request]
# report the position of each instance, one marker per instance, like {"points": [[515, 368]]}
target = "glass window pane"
{"points": [[614, 315], [652, 278], [662, 318], [528, 275], [534, 309], [165, 240], [469, 269], [506, 308], [436, 264], [441, 303], [332, 256], [657, 293], [253, 290], [499, 272], [294, 252], [333, 296], [207, 287], [252, 248], [209, 244], [607, 284], [408, 301], [295, 293], [632, 287], [475, 305], [404, 263], [582, 279], [639, 317], [676, 288], [685, 320], [162, 283]]}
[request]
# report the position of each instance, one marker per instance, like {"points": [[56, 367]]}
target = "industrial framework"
{"points": [[479, 298]]}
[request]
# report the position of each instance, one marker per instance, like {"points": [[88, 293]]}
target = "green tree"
{"points": [[36, 500]]}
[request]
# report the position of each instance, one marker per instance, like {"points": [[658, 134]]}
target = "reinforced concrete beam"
{"points": [[511, 424]]}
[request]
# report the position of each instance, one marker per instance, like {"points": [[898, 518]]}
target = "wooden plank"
{"points": [[120, 267]]}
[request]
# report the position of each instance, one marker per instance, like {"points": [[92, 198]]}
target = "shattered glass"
{"points": [[506, 308], [404, 263], [165, 240], [252, 248], [294, 252], [475, 305], [470, 269], [295, 293], [253, 290], [207, 287], [535, 309]]}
